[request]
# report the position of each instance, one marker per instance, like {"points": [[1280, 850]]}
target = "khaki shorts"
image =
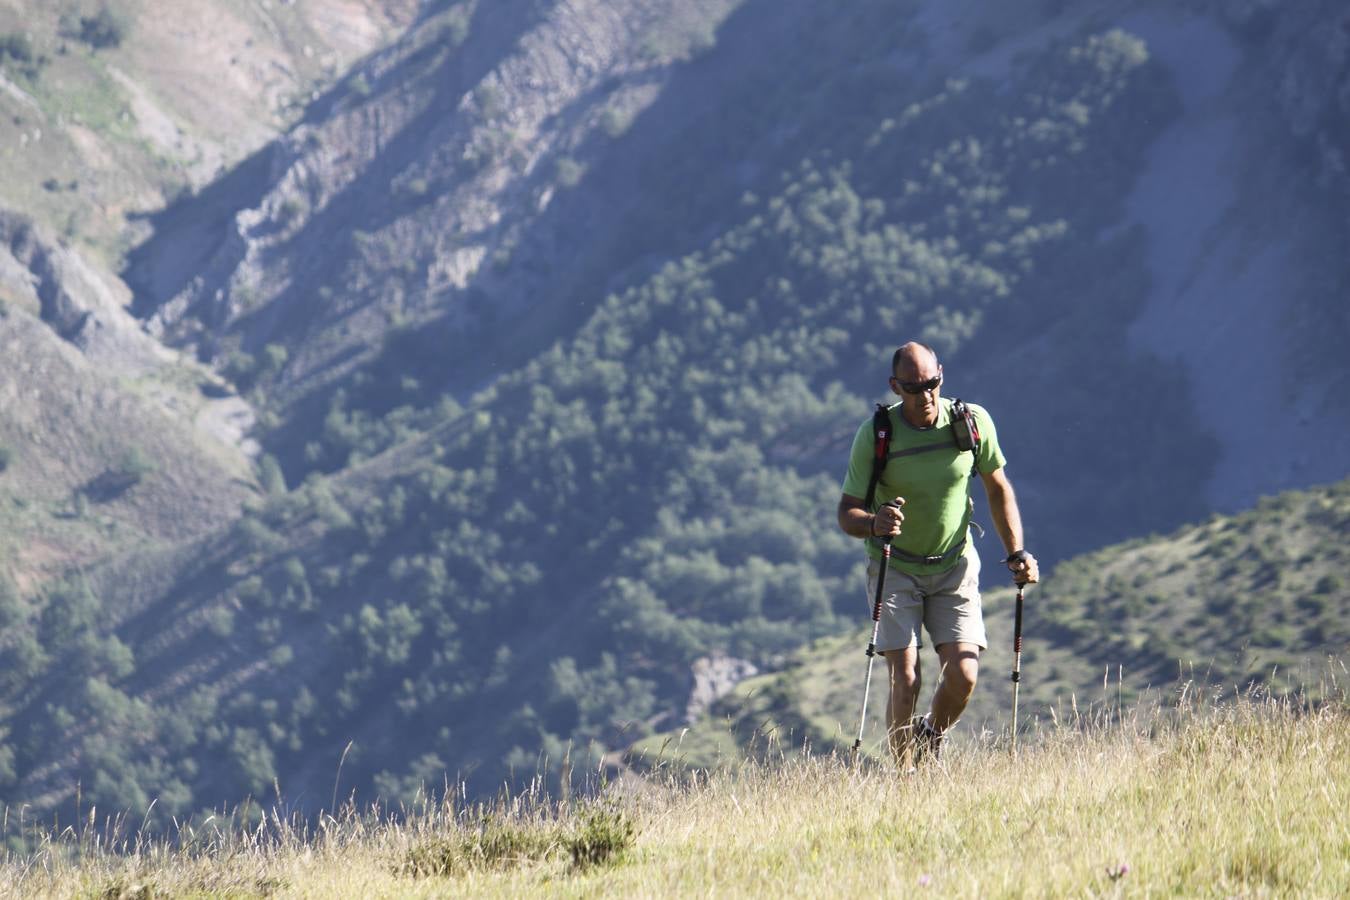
{"points": [[946, 604]]}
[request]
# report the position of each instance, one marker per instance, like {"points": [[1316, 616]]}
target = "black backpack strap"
{"points": [[881, 432]]}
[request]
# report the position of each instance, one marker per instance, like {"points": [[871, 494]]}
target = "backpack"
{"points": [[965, 434]]}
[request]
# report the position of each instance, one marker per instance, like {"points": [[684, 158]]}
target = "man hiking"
{"points": [[933, 578]]}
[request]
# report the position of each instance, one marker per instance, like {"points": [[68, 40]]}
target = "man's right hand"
{"points": [[1024, 568], [886, 523]]}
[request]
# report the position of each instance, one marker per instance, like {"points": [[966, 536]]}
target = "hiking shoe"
{"points": [[927, 742]]}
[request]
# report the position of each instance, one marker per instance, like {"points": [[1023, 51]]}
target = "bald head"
{"points": [[914, 362], [917, 378]]}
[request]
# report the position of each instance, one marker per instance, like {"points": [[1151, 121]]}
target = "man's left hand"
{"points": [[1024, 568]]}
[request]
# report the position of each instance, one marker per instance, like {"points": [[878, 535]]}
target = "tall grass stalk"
{"points": [[1247, 798]]}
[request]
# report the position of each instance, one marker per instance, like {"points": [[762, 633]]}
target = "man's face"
{"points": [[918, 384]]}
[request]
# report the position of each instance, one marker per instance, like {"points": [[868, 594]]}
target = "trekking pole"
{"points": [[1017, 661], [872, 645]]}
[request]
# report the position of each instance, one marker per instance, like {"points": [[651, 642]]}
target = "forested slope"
{"points": [[542, 567]]}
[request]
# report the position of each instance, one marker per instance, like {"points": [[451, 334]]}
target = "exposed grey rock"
{"points": [[89, 311], [714, 677], [74, 299]]}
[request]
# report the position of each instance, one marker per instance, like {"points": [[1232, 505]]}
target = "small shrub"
{"points": [[456, 29], [220, 621], [291, 210], [605, 835], [103, 30], [614, 122], [6, 457], [1326, 585], [129, 470], [274, 358], [17, 47], [490, 100], [270, 476], [254, 536], [12, 608], [570, 172], [599, 836], [240, 368], [415, 188], [135, 465], [495, 843], [1312, 604]]}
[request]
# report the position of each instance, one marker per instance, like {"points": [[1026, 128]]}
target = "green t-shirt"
{"points": [[926, 469]]}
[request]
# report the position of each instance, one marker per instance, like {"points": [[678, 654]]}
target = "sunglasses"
{"points": [[920, 387]]}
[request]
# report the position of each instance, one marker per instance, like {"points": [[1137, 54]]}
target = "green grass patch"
{"points": [[599, 835]]}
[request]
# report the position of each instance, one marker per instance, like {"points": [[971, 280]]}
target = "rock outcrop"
{"points": [[421, 187]]}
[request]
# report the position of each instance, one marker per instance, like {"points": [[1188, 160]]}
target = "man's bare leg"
{"points": [[904, 672], [960, 669]]}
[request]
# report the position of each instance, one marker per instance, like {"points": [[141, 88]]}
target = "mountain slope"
{"points": [[111, 108], [421, 177], [1244, 258], [543, 565], [559, 318], [356, 255], [107, 438]]}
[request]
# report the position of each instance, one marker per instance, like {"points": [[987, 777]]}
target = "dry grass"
{"points": [[1245, 798]]}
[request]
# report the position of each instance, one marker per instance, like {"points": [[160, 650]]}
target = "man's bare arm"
{"points": [[1008, 523]]}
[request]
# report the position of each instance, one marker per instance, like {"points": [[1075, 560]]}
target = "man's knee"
{"points": [[904, 667], [963, 676], [960, 670]]}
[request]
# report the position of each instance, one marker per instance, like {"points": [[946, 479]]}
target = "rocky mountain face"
{"points": [[466, 404], [110, 439], [439, 187]]}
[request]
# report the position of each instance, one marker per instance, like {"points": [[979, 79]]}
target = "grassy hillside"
{"points": [[109, 109], [107, 440], [1241, 800], [1260, 597]]}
